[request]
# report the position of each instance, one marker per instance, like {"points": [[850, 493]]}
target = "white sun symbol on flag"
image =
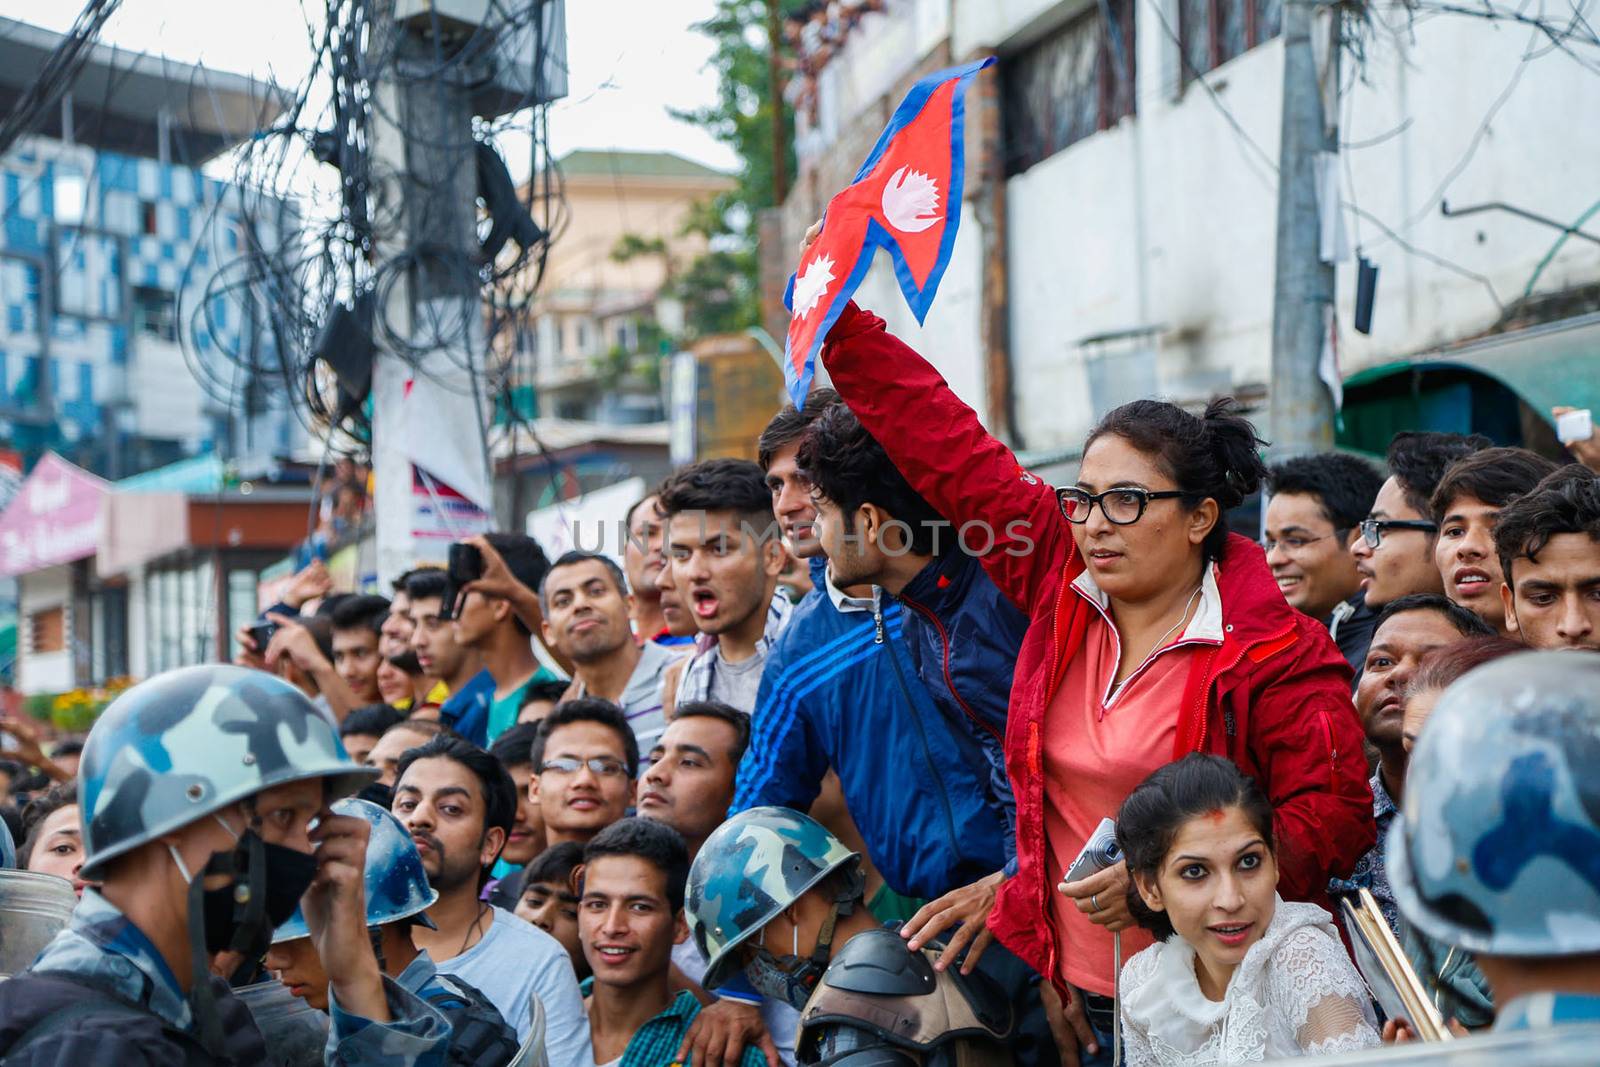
{"points": [[911, 201], [810, 286]]}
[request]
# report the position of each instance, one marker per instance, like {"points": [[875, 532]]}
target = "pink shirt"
{"points": [[1098, 745]]}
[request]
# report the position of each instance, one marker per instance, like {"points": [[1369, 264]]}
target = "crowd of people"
{"points": [[999, 772]]}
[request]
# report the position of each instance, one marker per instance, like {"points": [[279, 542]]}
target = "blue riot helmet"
{"points": [[396, 885], [1497, 849]]}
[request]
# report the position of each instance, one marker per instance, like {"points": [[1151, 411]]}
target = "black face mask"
{"points": [[377, 793], [268, 883]]}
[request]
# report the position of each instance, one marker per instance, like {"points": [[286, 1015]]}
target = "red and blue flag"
{"points": [[906, 199]]}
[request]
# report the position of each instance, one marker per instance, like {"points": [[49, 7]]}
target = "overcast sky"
{"points": [[629, 60]]}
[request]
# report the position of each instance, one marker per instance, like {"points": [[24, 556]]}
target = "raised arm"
{"points": [[938, 443]]}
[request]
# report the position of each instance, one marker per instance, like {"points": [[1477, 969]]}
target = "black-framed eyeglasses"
{"points": [[602, 766], [1372, 529], [1123, 507]]}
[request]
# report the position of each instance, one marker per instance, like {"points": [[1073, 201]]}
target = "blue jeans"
{"points": [[1101, 1022]]}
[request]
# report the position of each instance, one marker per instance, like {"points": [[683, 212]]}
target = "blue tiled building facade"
{"points": [[106, 261]]}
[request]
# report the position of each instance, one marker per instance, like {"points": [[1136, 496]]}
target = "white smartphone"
{"points": [[1574, 426]]}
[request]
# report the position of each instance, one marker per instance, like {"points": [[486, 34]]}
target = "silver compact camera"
{"points": [[1100, 852]]}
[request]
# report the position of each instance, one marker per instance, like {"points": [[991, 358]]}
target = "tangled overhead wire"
{"points": [[327, 225]]}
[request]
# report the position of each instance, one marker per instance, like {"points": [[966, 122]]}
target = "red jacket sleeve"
{"points": [[1307, 743], [938, 443]]}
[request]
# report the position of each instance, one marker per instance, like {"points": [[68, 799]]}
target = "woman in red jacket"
{"points": [[1153, 633]]}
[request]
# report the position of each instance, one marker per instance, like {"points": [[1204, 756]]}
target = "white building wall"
{"points": [[1168, 220], [41, 590]]}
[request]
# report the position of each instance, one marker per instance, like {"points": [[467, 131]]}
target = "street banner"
{"points": [[905, 199]]}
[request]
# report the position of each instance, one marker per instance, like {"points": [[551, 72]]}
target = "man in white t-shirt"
{"points": [[458, 803]]}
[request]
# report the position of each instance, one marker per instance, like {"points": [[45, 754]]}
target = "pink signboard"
{"points": [[54, 518]]}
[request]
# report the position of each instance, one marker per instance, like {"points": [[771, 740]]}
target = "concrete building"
{"points": [[114, 238], [594, 348], [1117, 238], [138, 576]]}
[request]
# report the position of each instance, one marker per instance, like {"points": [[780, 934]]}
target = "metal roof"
{"points": [[118, 95]]}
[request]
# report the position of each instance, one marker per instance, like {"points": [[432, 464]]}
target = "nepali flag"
{"points": [[906, 198]]}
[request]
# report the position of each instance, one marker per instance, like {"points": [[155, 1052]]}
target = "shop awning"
{"points": [[54, 518], [1503, 386]]}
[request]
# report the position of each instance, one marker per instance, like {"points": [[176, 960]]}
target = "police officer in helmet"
{"points": [[398, 895], [199, 791], [775, 895], [1497, 850]]}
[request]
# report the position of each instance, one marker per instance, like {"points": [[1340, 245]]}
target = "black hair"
{"points": [[1565, 502], [40, 808], [321, 628], [70, 747], [525, 560], [31, 782], [790, 425], [573, 558], [1344, 485], [1496, 476], [555, 865], [846, 464], [372, 719], [425, 583], [1152, 815], [499, 791], [1442, 667], [403, 582], [735, 485], [654, 842], [10, 768], [551, 689], [1214, 455], [362, 611], [716, 709], [589, 709], [329, 604], [514, 747], [1419, 458], [1465, 622]]}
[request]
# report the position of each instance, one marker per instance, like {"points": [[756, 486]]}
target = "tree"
{"points": [[720, 289]]}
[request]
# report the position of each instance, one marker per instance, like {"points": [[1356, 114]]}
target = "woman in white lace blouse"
{"points": [[1237, 974]]}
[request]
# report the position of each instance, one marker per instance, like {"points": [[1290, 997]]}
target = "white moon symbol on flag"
{"points": [[911, 201], [809, 287]]}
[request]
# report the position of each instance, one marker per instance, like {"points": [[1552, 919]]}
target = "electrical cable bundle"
{"points": [[321, 230]]}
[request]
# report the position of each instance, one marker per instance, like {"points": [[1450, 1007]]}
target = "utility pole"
{"points": [[433, 483], [1302, 409], [780, 166]]}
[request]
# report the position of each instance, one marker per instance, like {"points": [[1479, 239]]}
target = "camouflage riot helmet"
{"points": [[396, 885], [1496, 850], [190, 742], [750, 869]]}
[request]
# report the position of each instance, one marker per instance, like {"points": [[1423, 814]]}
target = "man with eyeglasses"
{"points": [[1313, 519], [1394, 554], [585, 760]]}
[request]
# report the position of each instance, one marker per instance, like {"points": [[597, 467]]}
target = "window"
{"points": [[147, 213], [155, 312], [1211, 32], [47, 630], [583, 337], [1073, 83], [69, 195]]}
